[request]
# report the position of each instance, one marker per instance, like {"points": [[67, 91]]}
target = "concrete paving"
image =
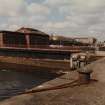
{"points": [[88, 94]]}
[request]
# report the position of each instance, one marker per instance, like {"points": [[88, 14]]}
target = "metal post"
{"points": [[71, 62], [28, 41]]}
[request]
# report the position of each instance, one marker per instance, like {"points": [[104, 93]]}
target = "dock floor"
{"points": [[88, 94]]}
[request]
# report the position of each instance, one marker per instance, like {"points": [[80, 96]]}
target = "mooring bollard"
{"points": [[73, 61], [84, 75]]}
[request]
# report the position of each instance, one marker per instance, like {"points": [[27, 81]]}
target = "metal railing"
{"points": [[15, 45], [84, 48]]}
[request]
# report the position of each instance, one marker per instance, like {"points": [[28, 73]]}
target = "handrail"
{"points": [[85, 48]]}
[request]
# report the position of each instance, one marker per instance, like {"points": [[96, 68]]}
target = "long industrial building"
{"points": [[24, 37]]}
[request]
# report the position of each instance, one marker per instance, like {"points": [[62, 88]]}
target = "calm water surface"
{"points": [[13, 82]]}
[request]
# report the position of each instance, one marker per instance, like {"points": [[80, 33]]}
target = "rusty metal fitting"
{"points": [[84, 75]]}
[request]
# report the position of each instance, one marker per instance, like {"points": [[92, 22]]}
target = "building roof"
{"points": [[10, 32], [23, 31], [84, 38], [58, 37], [30, 31]]}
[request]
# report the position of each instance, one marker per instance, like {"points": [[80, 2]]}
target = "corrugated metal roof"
{"points": [[30, 31], [23, 31]]}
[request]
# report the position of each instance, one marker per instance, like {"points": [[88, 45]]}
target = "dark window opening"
{"points": [[11, 40]]}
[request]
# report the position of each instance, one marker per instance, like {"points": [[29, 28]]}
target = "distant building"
{"points": [[61, 40], [23, 37], [79, 41], [86, 40]]}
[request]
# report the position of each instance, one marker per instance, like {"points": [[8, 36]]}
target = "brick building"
{"points": [[24, 37]]}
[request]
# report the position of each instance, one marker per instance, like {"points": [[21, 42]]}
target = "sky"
{"points": [[61, 17]]}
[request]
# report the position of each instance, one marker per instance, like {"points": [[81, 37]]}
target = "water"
{"points": [[13, 82]]}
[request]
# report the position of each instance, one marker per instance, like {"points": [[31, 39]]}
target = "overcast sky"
{"points": [[62, 17]]}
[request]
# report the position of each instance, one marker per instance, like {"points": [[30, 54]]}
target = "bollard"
{"points": [[84, 75], [71, 62]]}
